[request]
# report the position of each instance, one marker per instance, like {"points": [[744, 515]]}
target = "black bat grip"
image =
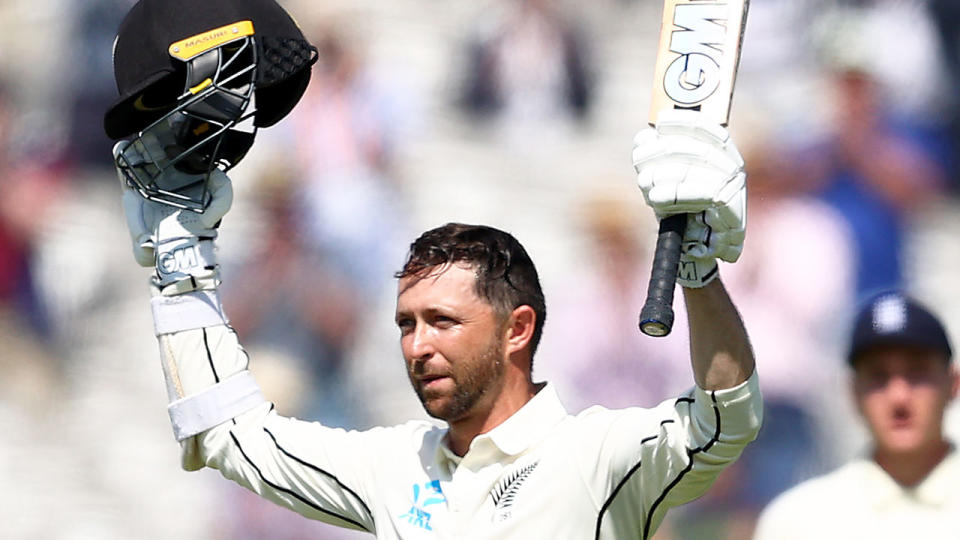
{"points": [[656, 317]]}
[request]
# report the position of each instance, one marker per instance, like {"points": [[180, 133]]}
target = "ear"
{"points": [[519, 329]]}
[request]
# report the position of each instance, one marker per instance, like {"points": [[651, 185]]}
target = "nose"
{"points": [[898, 389], [419, 343]]}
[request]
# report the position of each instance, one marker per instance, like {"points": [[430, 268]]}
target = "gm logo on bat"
{"points": [[694, 74]]}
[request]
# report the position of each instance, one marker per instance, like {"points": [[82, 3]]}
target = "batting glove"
{"points": [[177, 243], [689, 165]]}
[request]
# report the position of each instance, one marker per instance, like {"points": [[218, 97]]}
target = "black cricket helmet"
{"points": [[196, 80]]}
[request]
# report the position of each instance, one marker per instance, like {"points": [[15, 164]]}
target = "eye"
{"points": [[878, 377], [406, 325], [873, 378], [442, 321], [921, 373]]}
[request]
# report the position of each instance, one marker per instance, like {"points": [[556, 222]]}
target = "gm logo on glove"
{"points": [[181, 260]]}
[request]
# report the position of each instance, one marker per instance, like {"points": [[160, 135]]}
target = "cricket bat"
{"points": [[697, 62]]}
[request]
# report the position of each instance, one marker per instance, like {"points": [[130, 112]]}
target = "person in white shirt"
{"points": [[510, 462], [905, 485]]}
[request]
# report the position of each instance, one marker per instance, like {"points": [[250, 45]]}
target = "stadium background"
{"points": [[406, 127]]}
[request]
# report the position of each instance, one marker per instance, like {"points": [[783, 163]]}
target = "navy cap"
{"points": [[895, 319]]}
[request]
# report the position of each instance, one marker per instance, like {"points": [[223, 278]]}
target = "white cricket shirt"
{"points": [[543, 473], [861, 501]]}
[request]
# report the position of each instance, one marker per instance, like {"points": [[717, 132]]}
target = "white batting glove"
{"points": [[691, 166], [177, 243]]}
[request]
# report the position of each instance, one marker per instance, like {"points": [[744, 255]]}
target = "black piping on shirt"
{"points": [[635, 468], [293, 493], [690, 453], [319, 470]]}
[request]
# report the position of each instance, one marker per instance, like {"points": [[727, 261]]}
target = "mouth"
{"points": [[901, 423], [902, 419], [432, 381]]}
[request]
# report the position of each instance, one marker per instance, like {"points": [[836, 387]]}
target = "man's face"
{"points": [[902, 393], [452, 342]]}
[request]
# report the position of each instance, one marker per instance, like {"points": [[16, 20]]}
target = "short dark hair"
{"points": [[506, 276]]}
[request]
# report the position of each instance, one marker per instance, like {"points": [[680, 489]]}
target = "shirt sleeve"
{"points": [[648, 460], [317, 471]]}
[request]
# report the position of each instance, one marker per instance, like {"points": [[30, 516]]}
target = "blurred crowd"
{"points": [[514, 113]]}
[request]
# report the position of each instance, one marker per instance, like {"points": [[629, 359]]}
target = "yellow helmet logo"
{"points": [[185, 49]]}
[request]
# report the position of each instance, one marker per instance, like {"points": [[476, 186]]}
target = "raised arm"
{"points": [[719, 347], [218, 413], [688, 165], [684, 443]]}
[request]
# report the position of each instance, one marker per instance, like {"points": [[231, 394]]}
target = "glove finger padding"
{"points": [[683, 175], [174, 223], [708, 236], [650, 145], [690, 165], [728, 221], [679, 188], [141, 238], [221, 193]]}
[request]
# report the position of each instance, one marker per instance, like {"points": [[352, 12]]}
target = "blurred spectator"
{"points": [[92, 86], [896, 42], [876, 167], [593, 350], [13, 267], [26, 363], [527, 63], [294, 303], [28, 189], [903, 484], [345, 134], [946, 13], [795, 276]]}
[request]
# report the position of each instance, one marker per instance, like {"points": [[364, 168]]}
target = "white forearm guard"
{"points": [[188, 311], [203, 364]]}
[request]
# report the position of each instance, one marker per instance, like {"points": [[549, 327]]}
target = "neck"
{"points": [[910, 468], [512, 397]]}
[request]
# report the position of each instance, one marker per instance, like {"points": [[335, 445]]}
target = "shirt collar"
{"points": [[934, 490], [526, 427], [530, 424], [937, 487], [878, 488]]}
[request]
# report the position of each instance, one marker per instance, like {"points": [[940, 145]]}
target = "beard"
{"points": [[473, 378]]}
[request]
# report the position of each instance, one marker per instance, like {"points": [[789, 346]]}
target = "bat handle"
{"points": [[656, 317]]}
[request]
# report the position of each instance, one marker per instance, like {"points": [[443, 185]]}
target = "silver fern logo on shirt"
{"points": [[505, 492]]}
